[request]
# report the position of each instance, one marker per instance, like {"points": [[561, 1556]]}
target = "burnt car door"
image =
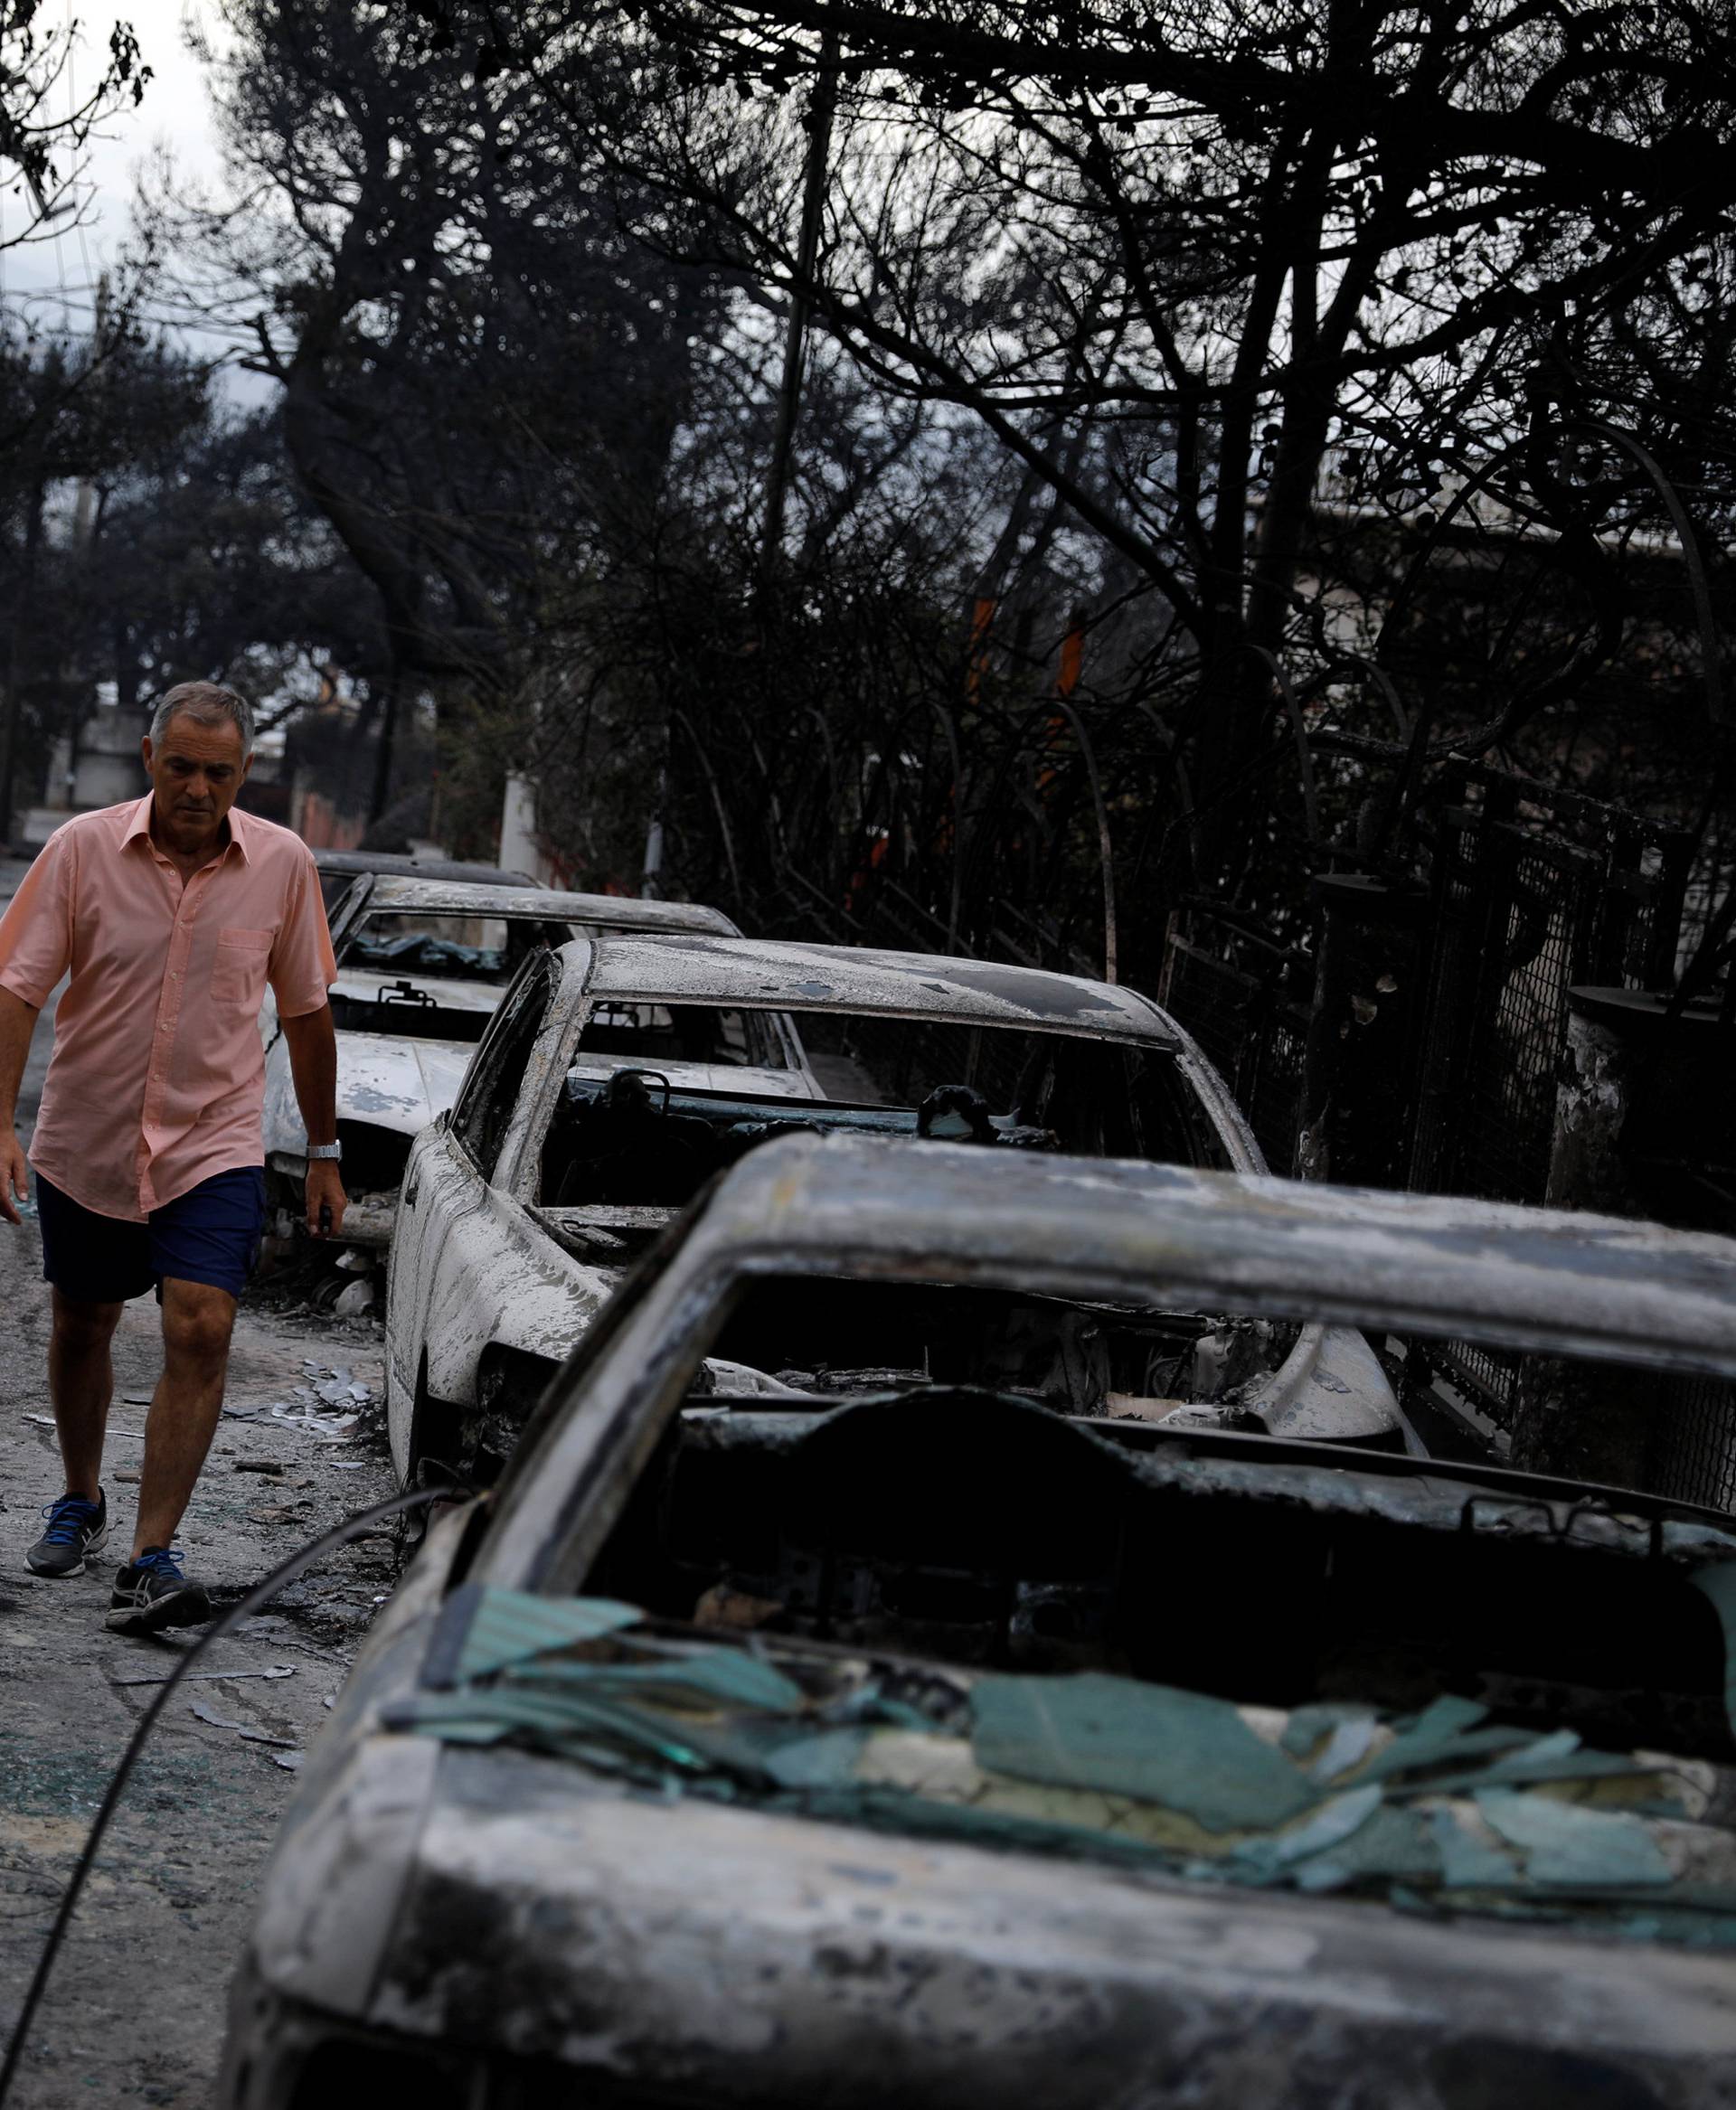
{"points": [[445, 1205]]}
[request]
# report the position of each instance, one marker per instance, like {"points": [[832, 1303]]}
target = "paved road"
{"points": [[134, 2014]]}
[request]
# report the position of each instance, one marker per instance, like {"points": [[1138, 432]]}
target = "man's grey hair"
{"points": [[207, 703]]}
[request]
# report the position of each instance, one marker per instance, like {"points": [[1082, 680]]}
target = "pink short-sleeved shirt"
{"points": [[157, 1076]]}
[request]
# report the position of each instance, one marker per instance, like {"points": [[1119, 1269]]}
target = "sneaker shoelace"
{"points": [[163, 1561], [67, 1518]]}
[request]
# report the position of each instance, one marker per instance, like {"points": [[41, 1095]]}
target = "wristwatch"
{"points": [[326, 1150]]}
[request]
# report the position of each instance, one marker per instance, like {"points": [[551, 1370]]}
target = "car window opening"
{"points": [[428, 946], [648, 1137], [681, 1032], [838, 1336], [947, 1515], [485, 1106]]}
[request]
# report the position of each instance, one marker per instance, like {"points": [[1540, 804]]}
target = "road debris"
{"points": [[163, 1677], [47, 1421], [330, 1404], [328, 1428], [241, 1728], [214, 1795]]}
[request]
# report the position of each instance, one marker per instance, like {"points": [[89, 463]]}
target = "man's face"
{"points": [[195, 771]]}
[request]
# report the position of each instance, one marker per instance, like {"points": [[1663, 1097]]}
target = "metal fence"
{"points": [[1234, 991], [1693, 1451], [1533, 892]]}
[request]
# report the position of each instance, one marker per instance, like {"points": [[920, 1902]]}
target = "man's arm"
{"points": [[17, 1023], [313, 1064]]}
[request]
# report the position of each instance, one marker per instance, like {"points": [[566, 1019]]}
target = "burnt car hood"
{"points": [[384, 1081], [398, 1084], [511, 1905]]}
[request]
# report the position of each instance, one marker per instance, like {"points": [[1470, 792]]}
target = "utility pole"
{"points": [[379, 795], [651, 878], [819, 145], [84, 509], [34, 482], [84, 517]]}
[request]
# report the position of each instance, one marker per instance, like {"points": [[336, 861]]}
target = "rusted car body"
{"points": [[422, 963], [522, 1210], [934, 1750]]}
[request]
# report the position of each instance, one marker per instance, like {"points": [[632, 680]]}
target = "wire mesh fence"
{"points": [[1693, 1451]]}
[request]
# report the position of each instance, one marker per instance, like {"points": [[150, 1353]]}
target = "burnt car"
{"points": [[622, 1074], [422, 963], [927, 1746]]}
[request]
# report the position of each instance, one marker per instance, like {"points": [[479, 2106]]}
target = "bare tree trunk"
{"points": [[820, 145]]}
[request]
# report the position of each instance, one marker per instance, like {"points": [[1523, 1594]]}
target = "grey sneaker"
{"points": [[151, 1593], [77, 1526]]}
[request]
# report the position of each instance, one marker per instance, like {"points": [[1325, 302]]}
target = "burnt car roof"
{"points": [[1528, 1278], [343, 864], [821, 977], [401, 893]]}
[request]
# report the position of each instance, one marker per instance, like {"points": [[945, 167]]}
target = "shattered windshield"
{"points": [[916, 1598], [955, 1617]]}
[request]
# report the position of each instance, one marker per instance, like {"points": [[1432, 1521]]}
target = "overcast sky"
{"points": [[174, 109]]}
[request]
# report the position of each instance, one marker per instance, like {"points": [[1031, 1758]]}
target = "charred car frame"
{"points": [[423, 962], [621, 1074], [930, 1747]]}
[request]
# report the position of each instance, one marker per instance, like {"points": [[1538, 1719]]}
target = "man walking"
{"points": [[170, 915]]}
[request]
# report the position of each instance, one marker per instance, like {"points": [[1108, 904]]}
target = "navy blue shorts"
{"points": [[210, 1234]]}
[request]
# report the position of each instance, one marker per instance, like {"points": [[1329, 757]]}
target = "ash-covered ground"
{"points": [[134, 2010]]}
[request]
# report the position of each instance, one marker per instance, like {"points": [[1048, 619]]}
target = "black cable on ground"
{"points": [[261, 1594]]}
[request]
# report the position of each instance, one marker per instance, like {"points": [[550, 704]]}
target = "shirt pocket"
{"points": [[237, 972]]}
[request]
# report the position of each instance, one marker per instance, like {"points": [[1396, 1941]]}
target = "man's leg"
{"points": [[197, 1321], [81, 1379], [81, 1384], [202, 1246]]}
